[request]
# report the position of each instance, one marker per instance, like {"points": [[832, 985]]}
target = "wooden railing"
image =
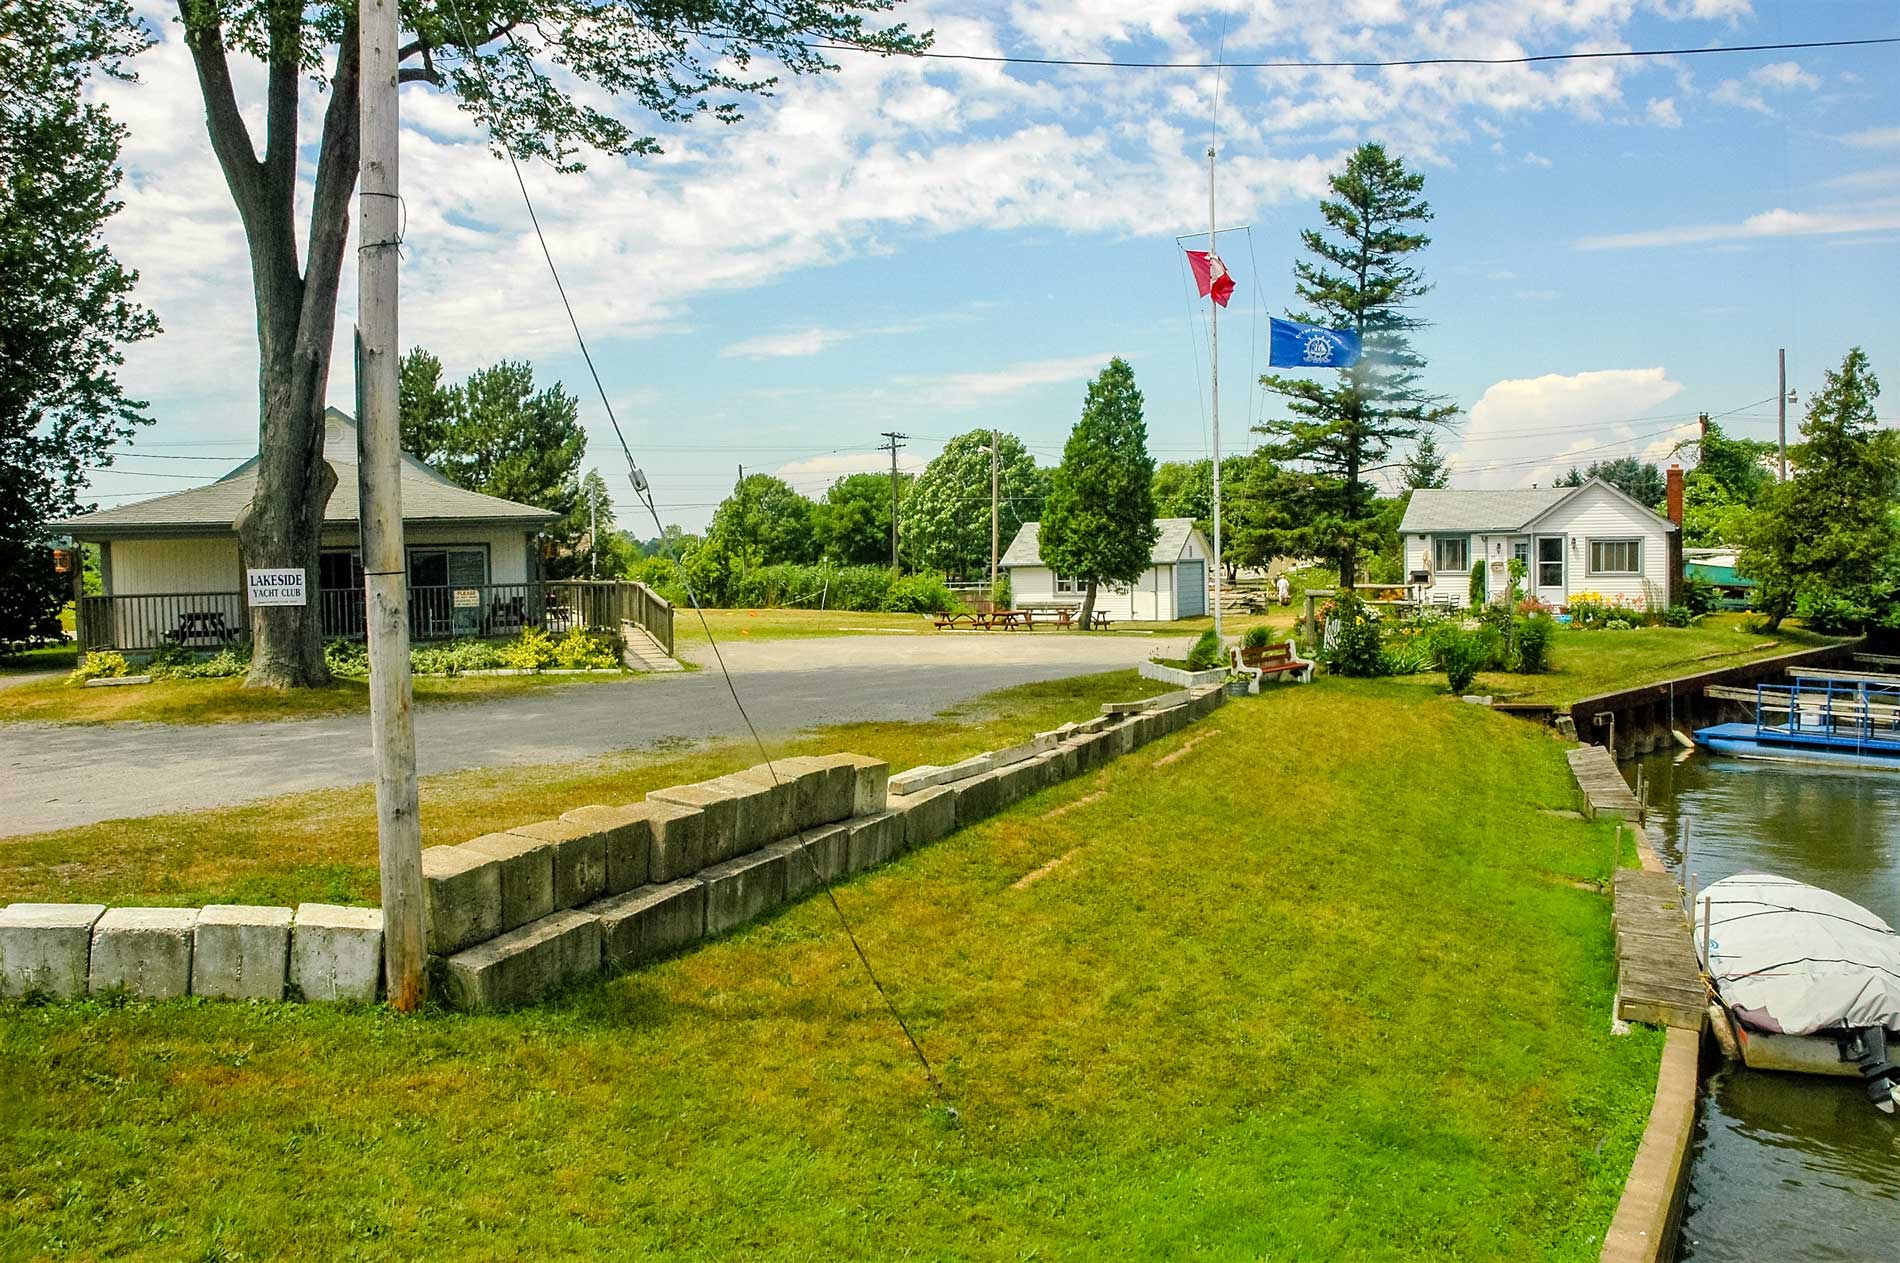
{"points": [[208, 620]]}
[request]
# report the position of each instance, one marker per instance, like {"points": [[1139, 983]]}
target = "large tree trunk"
{"points": [[1088, 607], [296, 319]]}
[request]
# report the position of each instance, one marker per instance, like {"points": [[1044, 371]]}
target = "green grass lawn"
{"points": [[228, 701], [1329, 984], [1586, 663], [780, 624], [32, 661]]}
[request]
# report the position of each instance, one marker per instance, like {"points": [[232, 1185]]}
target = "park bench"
{"points": [[1272, 660]]}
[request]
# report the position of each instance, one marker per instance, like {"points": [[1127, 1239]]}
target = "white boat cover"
{"points": [[1790, 958]]}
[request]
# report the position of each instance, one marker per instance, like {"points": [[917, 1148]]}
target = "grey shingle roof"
{"points": [[1026, 548], [426, 497], [1443, 509]]}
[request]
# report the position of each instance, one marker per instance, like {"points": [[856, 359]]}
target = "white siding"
{"points": [[141, 567], [1453, 584], [1034, 585], [507, 545], [1149, 598], [1599, 514]]}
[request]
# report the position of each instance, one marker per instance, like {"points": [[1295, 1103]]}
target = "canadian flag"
{"points": [[1211, 275]]}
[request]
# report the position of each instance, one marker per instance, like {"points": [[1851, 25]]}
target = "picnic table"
{"points": [[1010, 620], [195, 625]]}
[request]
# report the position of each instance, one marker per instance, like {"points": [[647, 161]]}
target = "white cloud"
{"points": [[1874, 138], [1530, 430], [1784, 75], [813, 474], [785, 345], [953, 388], [1773, 223], [1534, 159], [1735, 92], [1662, 112]]}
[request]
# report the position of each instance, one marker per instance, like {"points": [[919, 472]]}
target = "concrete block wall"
{"points": [[516, 913]]}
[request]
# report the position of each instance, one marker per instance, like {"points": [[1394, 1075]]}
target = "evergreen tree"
{"points": [[1635, 477], [1425, 467], [1826, 540], [426, 404], [66, 304], [1360, 277], [944, 523], [1098, 524]]}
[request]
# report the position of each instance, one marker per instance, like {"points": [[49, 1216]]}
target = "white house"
{"points": [[1592, 538], [171, 570], [1173, 586]]}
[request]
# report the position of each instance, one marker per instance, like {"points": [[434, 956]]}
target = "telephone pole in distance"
{"points": [[891, 438]]}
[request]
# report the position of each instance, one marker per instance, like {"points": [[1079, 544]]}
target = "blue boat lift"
{"points": [[1845, 718]]}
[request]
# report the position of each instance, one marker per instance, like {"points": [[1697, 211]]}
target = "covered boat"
{"points": [[1808, 981]]}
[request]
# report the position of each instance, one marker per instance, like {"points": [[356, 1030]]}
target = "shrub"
{"points": [[920, 594], [588, 649], [1256, 638], [1477, 583], [348, 657], [1461, 654], [1205, 655], [169, 658], [226, 663], [1533, 638], [1000, 594], [1677, 616], [1352, 638], [530, 651], [1697, 594], [99, 666]]}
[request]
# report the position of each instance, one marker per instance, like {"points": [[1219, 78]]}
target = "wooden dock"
{"points": [[1658, 980]]}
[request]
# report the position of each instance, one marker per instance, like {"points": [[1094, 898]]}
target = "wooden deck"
{"points": [[1658, 980]]}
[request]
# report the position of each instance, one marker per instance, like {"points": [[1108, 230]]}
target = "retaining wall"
{"points": [[515, 913]]}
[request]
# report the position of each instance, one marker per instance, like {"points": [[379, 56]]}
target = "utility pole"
{"points": [[996, 467], [890, 441], [385, 576], [1781, 410], [593, 535], [1213, 359], [745, 519]]}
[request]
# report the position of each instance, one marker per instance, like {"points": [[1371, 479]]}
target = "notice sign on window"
{"points": [[276, 587], [467, 598]]}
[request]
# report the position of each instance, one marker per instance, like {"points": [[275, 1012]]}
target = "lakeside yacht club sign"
{"points": [[276, 587]]}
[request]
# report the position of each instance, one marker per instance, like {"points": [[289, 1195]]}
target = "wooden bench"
{"points": [[1272, 660]]}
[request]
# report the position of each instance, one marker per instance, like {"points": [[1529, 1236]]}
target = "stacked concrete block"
{"points": [[928, 815], [240, 952], [718, 807], [678, 847], [626, 835], [814, 858], [650, 922], [523, 965], [578, 855], [870, 783], [837, 787], [740, 889], [873, 840], [977, 798], [766, 807], [914, 780], [336, 953], [461, 898], [46, 948], [526, 868], [144, 951]]}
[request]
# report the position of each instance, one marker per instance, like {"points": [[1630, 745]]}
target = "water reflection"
{"points": [[1787, 1167]]}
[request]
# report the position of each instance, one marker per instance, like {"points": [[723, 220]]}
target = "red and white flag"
{"points": [[1211, 275]]}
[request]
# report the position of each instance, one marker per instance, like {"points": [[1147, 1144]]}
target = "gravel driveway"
{"points": [[58, 776]]}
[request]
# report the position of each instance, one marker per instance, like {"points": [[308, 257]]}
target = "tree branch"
{"points": [[230, 139], [336, 180], [419, 74], [280, 113]]}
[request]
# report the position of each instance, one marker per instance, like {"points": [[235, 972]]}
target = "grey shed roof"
{"points": [[1026, 548], [1442, 509], [426, 497]]}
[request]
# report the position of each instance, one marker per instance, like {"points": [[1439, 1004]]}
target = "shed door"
{"points": [[1190, 589]]}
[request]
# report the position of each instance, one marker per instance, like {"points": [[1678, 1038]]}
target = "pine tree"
{"points": [[1359, 277], [1425, 467], [1098, 524]]}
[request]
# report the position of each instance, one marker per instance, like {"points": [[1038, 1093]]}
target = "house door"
{"points": [[435, 576], [1549, 577], [1190, 589], [340, 589]]}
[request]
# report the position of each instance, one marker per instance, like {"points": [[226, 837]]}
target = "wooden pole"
{"points": [[1781, 413], [996, 473], [1213, 365], [385, 572]]}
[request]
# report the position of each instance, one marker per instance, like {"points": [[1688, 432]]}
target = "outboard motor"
{"points": [[1867, 1048]]}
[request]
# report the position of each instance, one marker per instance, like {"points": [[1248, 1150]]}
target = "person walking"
{"points": [[1283, 590]]}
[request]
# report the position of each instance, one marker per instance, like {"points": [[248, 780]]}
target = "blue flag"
{"points": [[1291, 344]]}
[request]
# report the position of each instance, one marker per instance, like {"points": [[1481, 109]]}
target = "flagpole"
{"points": [[1213, 357]]}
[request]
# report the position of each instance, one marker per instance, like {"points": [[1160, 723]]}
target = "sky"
{"points": [[936, 246]]}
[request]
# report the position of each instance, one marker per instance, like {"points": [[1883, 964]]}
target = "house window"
{"points": [[1071, 587], [1451, 552], [1550, 561], [1521, 551], [1616, 556]]}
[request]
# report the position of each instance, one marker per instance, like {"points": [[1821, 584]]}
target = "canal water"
{"points": [[1787, 1167]]}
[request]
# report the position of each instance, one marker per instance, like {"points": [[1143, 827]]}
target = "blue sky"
{"points": [[939, 246]]}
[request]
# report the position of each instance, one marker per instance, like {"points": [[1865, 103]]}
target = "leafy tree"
{"points": [[1426, 467], [852, 524], [1098, 524], [762, 523], [675, 62], [1728, 480], [945, 520], [607, 552], [1635, 477], [1360, 276], [1826, 540], [1185, 488], [65, 302]]}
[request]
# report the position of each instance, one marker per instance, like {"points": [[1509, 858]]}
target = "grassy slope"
{"points": [[1586, 663], [228, 701], [1329, 986]]}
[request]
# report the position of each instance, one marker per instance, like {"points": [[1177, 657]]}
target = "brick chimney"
{"points": [[1673, 498]]}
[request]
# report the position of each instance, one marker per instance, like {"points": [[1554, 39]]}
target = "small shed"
{"points": [[1174, 585]]}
